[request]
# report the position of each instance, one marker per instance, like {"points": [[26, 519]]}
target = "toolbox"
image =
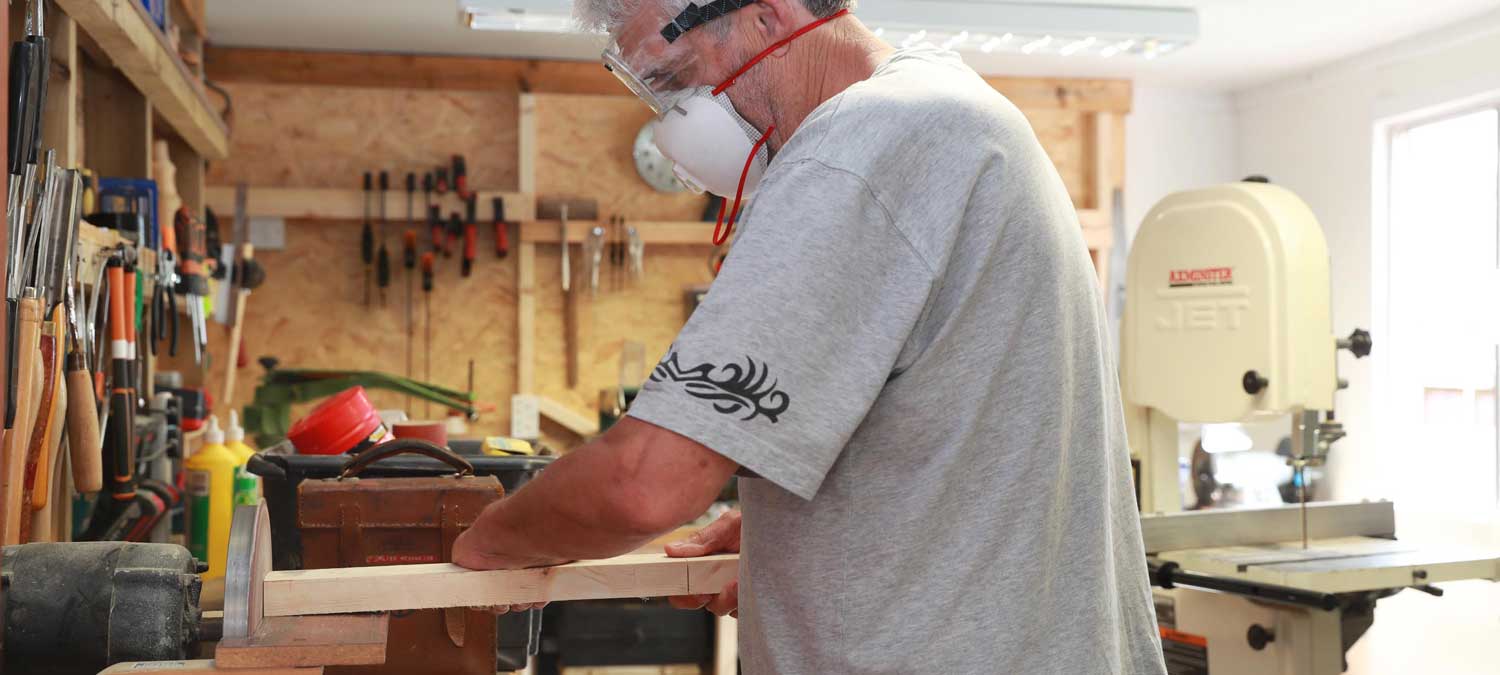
{"points": [[357, 521]]}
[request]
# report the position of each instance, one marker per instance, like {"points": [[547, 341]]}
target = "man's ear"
{"points": [[773, 20]]}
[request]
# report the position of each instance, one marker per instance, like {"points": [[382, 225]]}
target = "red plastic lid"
{"points": [[433, 432], [338, 425]]}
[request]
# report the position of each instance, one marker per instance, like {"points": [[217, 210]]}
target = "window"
{"points": [[1440, 350]]}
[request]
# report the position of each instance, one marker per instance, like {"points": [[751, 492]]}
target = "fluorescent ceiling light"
{"points": [[1098, 31]]}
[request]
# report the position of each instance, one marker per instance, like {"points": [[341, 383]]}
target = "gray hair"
{"points": [[608, 15]]}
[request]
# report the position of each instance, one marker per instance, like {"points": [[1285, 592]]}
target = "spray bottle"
{"points": [[210, 499], [246, 484]]}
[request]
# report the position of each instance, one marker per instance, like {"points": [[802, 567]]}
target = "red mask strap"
{"points": [[719, 239], [800, 32]]}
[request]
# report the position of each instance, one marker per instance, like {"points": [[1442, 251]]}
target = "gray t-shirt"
{"points": [[907, 345]]}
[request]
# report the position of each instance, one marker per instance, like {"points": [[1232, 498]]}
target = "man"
{"points": [[904, 357]]}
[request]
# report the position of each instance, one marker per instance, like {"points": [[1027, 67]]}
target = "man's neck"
{"points": [[847, 54]]}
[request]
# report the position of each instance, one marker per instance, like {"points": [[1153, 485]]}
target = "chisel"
{"points": [[461, 177], [409, 263], [28, 335], [427, 338], [82, 409], [367, 239], [471, 236], [383, 263]]}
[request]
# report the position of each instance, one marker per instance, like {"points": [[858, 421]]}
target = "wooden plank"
{"points": [[348, 205], [675, 233], [1088, 95], [190, 172], [299, 641], [402, 587], [713, 574], [575, 422], [1245, 527], [198, 667], [409, 71], [135, 46]]}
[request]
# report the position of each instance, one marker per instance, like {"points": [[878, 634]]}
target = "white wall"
{"points": [[1315, 133], [1175, 139]]}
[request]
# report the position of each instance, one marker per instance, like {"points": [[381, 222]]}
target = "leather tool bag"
{"points": [[353, 522]]}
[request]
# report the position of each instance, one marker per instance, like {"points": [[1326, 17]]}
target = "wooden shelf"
{"points": [[340, 204], [679, 233], [139, 50]]}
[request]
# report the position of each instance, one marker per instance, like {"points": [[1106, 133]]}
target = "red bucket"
{"points": [[345, 423]]}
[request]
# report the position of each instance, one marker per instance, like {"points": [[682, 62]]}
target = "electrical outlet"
{"points": [[525, 417]]}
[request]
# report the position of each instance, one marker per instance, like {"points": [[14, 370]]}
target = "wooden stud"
{"points": [[60, 130], [409, 71], [403, 587], [299, 641], [348, 205], [525, 318], [135, 46]]}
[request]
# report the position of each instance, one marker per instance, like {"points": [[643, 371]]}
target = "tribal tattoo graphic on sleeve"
{"points": [[731, 387]]}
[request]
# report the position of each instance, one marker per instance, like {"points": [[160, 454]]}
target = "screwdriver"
{"points": [[383, 267], [409, 263], [502, 228], [367, 240], [461, 177], [471, 237], [432, 219], [455, 228], [427, 338], [442, 180]]}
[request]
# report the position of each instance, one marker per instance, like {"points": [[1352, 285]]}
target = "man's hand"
{"points": [[721, 536]]}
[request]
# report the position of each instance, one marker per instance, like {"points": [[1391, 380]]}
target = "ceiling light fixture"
{"points": [[1025, 27], [1031, 47]]}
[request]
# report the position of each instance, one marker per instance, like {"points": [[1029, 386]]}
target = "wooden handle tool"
{"points": [[83, 427], [28, 336]]}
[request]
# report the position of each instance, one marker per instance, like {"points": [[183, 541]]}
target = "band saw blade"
{"points": [[248, 562]]}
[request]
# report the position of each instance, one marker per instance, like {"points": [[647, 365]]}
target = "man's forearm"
{"points": [[607, 498], [560, 516]]}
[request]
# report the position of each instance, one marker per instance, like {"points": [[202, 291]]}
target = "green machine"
{"points": [[269, 416]]}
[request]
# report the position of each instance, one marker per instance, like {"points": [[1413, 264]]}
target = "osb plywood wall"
{"points": [[318, 121], [310, 314], [326, 137]]}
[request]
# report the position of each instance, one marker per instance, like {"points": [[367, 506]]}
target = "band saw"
{"points": [[1228, 319]]}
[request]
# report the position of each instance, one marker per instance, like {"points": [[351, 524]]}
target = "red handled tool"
{"points": [[461, 178], [383, 264], [454, 230], [471, 237]]}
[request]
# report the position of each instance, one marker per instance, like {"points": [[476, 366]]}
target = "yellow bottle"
{"points": [[246, 484], [210, 499]]}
